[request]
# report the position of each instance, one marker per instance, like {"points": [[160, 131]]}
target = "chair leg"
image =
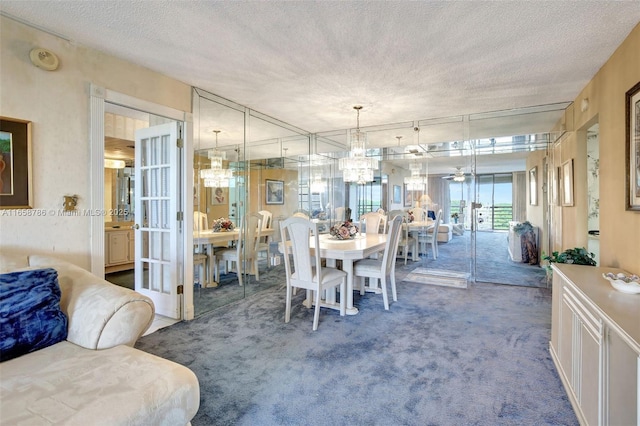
{"points": [[434, 249], [287, 309], [393, 286], [385, 298], [316, 314], [239, 272], [255, 265], [405, 249]]}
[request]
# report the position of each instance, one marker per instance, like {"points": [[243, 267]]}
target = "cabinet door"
{"points": [[118, 247], [131, 256], [589, 353], [565, 346], [623, 382]]}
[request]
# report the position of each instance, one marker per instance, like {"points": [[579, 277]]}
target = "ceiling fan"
{"points": [[458, 176]]}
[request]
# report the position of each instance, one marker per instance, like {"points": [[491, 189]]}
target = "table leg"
{"points": [[347, 266]]}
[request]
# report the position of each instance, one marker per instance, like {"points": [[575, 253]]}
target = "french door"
{"points": [[157, 273]]}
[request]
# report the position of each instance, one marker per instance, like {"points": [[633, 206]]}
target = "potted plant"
{"points": [[455, 217], [576, 256]]}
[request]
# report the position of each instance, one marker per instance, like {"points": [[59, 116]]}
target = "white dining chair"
{"points": [[244, 254], [201, 258], [430, 236], [371, 222], [406, 241], [300, 271], [419, 214], [381, 269], [263, 244]]}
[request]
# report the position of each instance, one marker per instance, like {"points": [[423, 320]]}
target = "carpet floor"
{"points": [[439, 356]]}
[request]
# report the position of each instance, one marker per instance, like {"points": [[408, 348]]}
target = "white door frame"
{"points": [[97, 97]]}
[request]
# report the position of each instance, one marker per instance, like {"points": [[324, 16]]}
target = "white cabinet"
{"points": [[595, 332], [119, 249]]}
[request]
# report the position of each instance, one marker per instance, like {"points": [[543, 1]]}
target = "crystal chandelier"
{"points": [[415, 182], [459, 175], [216, 176], [357, 167]]}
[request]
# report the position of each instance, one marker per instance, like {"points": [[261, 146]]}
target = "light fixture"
{"points": [[114, 164], [459, 175], [416, 182], [216, 176], [357, 167]]}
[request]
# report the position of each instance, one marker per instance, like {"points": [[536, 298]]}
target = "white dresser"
{"points": [[595, 345]]}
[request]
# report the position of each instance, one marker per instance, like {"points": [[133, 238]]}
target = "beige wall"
{"points": [[57, 103], [619, 229]]}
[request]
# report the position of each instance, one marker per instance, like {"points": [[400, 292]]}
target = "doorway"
{"points": [[116, 120]]}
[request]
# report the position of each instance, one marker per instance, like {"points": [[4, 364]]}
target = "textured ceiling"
{"points": [[307, 63]]}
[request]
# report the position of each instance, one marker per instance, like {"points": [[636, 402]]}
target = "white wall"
{"points": [[57, 104]]}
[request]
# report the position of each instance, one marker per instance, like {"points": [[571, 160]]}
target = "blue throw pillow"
{"points": [[30, 315]]}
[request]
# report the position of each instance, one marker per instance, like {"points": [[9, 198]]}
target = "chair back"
{"points": [[200, 221], [299, 270], [436, 225], [250, 227], [394, 213], [267, 217], [419, 214], [301, 215], [391, 248], [338, 214], [371, 222]]}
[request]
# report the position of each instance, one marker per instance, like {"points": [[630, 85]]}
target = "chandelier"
{"points": [[459, 175], [357, 167], [415, 182], [216, 176]]}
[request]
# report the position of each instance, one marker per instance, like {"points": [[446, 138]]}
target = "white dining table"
{"points": [[348, 251], [211, 238]]}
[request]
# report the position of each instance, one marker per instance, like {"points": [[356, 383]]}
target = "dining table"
{"points": [[209, 239], [348, 251]]}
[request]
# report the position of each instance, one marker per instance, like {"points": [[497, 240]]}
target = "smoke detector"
{"points": [[45, 59]]}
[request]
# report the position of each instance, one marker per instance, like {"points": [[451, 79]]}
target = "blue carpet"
{"points": [[439, 356]]}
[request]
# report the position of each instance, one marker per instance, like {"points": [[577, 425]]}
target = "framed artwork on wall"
{"points": [[274, 191], [16, 190], [567, 183], [533, 186], [219, 196], [632, 101], [397, 194]]}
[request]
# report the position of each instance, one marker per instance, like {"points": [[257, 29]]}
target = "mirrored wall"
{"points": [[278, 169]]}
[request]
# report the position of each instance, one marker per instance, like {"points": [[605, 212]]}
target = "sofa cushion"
{"points": [[67, 384], [30, 314]]}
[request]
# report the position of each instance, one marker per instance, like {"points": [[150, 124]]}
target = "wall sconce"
{"points": [[584, 105]]}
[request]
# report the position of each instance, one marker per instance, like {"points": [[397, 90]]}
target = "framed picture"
{"points": [[555, 186], [274, 191], [533, 186], [408, 196], [219, 196], [567, 183], [632, 102], [397, 194], [16, 190]]}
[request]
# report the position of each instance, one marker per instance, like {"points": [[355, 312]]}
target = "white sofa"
{"points": [[95, 376]]}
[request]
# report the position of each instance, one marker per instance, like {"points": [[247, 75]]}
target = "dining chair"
{"points": [[244, 253], [419, 214], [302, 215], [302, 272], [371, 222], [381, 269], [338, 214], [201, 258], [430, 236], [406, 241], [263, 244]]}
